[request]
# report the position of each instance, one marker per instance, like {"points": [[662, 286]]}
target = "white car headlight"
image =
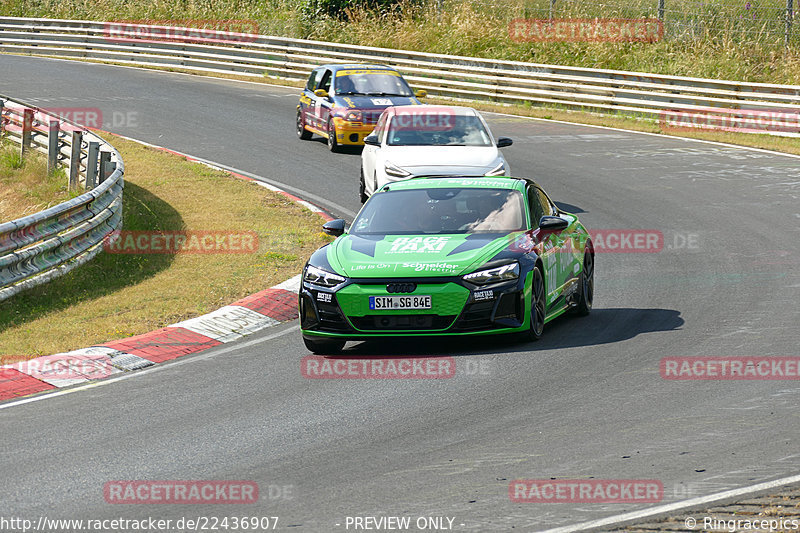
{"points": [[323, 278], [494, 275], [393, 170], [499, 170]]}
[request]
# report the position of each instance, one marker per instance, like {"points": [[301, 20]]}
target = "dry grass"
{"points": [[118, 295], [728, 45], [25, 186]]}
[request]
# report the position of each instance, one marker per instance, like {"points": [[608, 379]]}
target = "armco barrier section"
{"points": [[716, 104], [39, 247]]}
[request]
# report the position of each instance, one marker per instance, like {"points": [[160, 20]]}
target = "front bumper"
{"points": [[458, 308], [352, 133]]}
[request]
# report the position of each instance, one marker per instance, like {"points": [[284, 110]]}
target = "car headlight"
{"points": [[494, 275], [394, 170], [323, 278], [353, 116], [499, 170]]}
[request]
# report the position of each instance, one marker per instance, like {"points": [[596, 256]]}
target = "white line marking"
{"points": [[212, 352], [692, 502], [659, 135]]}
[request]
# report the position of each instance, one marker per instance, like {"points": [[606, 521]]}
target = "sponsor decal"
{"points": [[407, 245], [479, 296], [585, 491], [433, 267], [324, 297], [351, 72]]}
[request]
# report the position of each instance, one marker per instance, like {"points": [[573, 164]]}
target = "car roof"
{"points": [[443, 182], [355, 66]]}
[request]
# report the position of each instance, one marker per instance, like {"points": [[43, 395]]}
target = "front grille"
{"points": [[395, 288], [401, 322]]}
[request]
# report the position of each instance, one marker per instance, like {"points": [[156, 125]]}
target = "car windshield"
{"points": [[440, 211], [372, 84], [440, 129]]}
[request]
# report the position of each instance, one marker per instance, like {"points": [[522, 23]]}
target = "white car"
{"points": [[428, 140]]}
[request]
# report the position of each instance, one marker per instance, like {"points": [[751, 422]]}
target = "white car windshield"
{"points": [[437, 130]]}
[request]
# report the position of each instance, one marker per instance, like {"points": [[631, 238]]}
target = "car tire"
{"points": [[324, 346], [362, 188], [538, 307], [333, 144], [302, 132], [586, 285]]}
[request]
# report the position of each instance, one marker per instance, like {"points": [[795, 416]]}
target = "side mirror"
{"points": [[548, 223], [421, 93], [334, 227], [502, 142], [372, 140], [322, 93]]}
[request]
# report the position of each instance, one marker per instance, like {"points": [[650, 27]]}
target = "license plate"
{"points": [[399, 302]]}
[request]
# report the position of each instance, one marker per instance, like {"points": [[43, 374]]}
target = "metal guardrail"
{"points": [[630, 93], [39, 247]]}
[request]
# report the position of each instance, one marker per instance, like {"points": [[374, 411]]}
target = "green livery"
{"points": [[447, 256]]}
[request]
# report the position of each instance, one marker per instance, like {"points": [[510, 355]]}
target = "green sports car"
{"points": [[447, 256]]}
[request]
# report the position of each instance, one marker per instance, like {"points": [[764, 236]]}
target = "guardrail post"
{"points": [[2, 120], [552, 8], [91, 165], [52, 146], [106, 169], [661, 10], [27, 129], [75, 159], [789, 20]]}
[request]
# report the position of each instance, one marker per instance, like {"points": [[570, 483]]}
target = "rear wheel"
{"points": [[324, 346], [333, 144], [302, 132], [362, 188], [538, 307], [586, 286]]}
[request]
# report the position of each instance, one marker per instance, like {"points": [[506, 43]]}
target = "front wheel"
{"points": [[538, 307], [324, 346], [302, 132], [333, 145], [362, 188], [586, 286]]}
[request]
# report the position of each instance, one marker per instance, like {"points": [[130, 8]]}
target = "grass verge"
{"points": [[119, 295], [25, 185]]}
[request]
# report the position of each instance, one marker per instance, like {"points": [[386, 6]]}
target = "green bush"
{"points": [[313, 9]]}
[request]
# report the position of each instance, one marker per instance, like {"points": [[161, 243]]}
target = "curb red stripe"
{"points": [[164, 344], [279, 304], [14, 383]]}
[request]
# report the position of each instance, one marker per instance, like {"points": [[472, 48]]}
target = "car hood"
{"points": [[399, 256], [447, 159], [373, 102]]}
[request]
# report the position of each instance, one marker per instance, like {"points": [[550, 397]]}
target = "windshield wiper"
{"points": [[351, 93], [386, 94]]}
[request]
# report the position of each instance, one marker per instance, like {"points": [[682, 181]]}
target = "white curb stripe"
{"points": [[227, 323], [291, 284], [677, 506]]}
